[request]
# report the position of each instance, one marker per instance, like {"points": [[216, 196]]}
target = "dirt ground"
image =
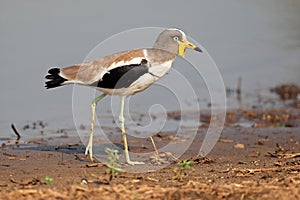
{"points": [[259, 160]]}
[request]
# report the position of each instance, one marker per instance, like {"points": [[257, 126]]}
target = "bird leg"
{"points": [[122, 121], [89, 147]]}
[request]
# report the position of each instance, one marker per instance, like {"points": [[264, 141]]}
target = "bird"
{"points": [[124, 74]]}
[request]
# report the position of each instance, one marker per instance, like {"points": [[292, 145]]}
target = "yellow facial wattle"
{"points": [[186, 44]]}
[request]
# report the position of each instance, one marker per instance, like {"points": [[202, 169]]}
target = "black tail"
{"points": [[55, 79]]}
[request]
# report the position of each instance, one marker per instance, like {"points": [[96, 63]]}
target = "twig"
{"points": [[284, 155], [77, 157], [16, 132], [239, 86], [252, 171], [30, 182], [9, 154], [239, 89]]}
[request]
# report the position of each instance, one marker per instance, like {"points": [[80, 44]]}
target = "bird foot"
{"points": [[129, 162], [88, 150]]}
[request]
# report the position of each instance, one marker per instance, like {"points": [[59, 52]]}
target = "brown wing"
{"points": [[93, 71]]}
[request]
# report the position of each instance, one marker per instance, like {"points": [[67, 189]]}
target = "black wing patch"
{"points": [[123, 76]]}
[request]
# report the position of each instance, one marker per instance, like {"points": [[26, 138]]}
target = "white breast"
{"points": [[160, 70]]}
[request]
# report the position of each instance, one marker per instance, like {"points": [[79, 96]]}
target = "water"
{"points": [[258, 41]]}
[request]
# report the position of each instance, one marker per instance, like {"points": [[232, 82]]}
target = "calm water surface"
{"points": [[258, 41]]}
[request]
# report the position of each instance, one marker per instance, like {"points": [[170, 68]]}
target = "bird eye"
{"points": [[176, 38]]}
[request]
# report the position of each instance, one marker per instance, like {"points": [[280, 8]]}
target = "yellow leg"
{"points": [[89, 147], [157, 157], [122, 121]]}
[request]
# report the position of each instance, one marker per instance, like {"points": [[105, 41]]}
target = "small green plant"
{"points": [[48, 180], [181, 171], [113, 163]]}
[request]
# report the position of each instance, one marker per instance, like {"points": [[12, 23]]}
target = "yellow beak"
{"points": [[186, 44]]}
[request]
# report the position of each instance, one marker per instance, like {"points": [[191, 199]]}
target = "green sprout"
{"points": [[181, 171], [48, 180], [113, 163]]}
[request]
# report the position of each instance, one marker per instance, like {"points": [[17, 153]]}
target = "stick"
{"points": [[16, 132], [239, 86]]}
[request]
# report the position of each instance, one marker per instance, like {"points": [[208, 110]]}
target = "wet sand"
{"points": [[256, 157]]}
